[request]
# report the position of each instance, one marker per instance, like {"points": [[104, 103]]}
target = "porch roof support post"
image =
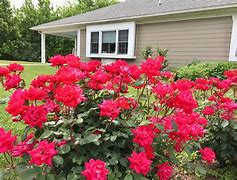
{"points": [[43, 54], [233, 45], [78, 43], [75, 47]]}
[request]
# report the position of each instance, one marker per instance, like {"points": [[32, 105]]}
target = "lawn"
{"points": [[20, 62], [30, 72]]}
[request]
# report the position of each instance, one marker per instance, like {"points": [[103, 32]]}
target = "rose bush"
{"points": [[118, 121]]}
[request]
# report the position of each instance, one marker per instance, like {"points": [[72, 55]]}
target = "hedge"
{"points": [[197, 70]]}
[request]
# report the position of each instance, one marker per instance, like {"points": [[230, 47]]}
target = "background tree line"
{"points": [[18, 42]]}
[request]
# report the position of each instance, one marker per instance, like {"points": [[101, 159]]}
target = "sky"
{"points": [[18, 3]]}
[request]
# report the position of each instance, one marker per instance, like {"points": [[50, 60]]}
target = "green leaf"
{"points": [[139, 83], [64, 149], [188, 150], [139, 177], [200, 169], [111, 176], [58, 159], [4, 100], [72, 176], [128, 177], [113, 161], [119, 174], [79, 120], [160, 127], [174, 126], [41, 177], [24, 135], [50, 177], [225, 123], [92, 138], [61, 176], [46, 134], [77, 169], [77, 160], [113, 138], [26, 173], [123, 162]]}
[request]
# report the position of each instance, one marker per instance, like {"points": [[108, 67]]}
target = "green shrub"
{"points": [[205, 70]]}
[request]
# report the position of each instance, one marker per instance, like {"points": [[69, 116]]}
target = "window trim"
{"points": [[233, 45], [112, 27]]}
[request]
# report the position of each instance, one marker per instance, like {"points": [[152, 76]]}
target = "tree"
{"points": [[28, 44], [82, 6], [25, 43], [8, 29]]}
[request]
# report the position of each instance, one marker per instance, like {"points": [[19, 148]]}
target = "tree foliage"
{"points": [[8, 30], [18, 42]]}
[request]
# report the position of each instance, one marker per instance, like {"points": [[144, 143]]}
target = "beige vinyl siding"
{"points": [[83, 45], [202, 39]]}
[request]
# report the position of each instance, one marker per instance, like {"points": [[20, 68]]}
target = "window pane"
{"points": [[108, 42], [109, 37], [123, 35], [95, 37], [94, 42], [94, 48], [122, 48]]}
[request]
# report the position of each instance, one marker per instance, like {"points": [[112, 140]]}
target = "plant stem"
{"points": [[9, 162]]}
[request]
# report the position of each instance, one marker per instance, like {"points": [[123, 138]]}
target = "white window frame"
{"points": [[130, 26], [233, 45]]}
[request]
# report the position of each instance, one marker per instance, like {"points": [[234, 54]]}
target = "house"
{"points": [[191, 30]]}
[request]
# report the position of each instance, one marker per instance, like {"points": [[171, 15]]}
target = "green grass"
{"points": [[19, 62], [28, 75]]}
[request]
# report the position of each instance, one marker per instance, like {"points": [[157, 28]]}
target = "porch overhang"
{"points": [[70, 33]]}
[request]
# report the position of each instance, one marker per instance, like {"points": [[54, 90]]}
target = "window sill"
{"points": [[233, 59], [111, 56]]}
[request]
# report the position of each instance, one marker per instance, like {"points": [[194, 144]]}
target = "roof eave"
{"points": [[45, 28]]}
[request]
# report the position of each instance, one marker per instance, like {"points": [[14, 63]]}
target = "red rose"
{"points": [[3, 71], [69, 95], [23, 147], [16, 105], [165, 171], [208, 110], [109, 108], [6, 140], [43, 154], [35, 94], [73, 61], [15, 67], [57, 60], [95, 170], [208, 155], [140, 163], [35, 116], [69, 75], [90, 66], [144, 135], [151, 67], [12, 82]]}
